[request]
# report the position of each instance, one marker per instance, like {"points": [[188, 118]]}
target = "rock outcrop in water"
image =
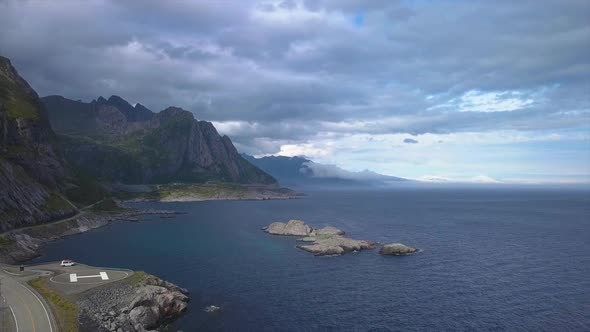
{"points": [[327, 241], [327, 245], [327, 231], [397, 249], [292, 228]]}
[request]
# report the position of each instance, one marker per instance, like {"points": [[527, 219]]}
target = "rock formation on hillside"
{"points": [[130, 144]]}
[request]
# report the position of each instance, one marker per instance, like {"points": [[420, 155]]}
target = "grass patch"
{"points": [[22, 109], [217, 190], [4, 242], [129, 195], [56, 203], [86, 190], [66, 311], [187, 190], [18, 104], [107, 205], [137, 279]]}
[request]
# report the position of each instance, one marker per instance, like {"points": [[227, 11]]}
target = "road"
{"points": [[30, 311]]}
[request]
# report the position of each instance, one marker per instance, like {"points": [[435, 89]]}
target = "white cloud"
{"points": [[479, 101], [308, 150], [480, 179]]}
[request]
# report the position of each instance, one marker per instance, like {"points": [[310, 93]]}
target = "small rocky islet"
{"points": [[330, 241]]}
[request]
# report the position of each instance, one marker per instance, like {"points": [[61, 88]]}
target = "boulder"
{"points": [[328, 230], [397, 249], [293, 228], [335, 245], [146, 317], [157, 302]]}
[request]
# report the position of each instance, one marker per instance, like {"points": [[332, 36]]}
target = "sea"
{"points": [[491, 259]]}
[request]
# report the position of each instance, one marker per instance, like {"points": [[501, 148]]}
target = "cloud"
{"points": [[479, 179], [410, 141], [303, 150], [288, 76]]}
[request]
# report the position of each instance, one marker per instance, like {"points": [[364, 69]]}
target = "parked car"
{"points": [[67, 262]]}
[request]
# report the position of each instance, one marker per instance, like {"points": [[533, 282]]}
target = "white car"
{"points": [[67, 262]]}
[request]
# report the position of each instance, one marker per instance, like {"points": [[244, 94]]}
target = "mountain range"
{"points": [[58, 155], [303, 172], [118, 142]]}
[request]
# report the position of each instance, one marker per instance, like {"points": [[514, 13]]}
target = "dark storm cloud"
{"points": [[288, 70]]}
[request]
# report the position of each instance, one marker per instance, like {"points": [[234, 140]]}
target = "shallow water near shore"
{"points": [[491, 259]]}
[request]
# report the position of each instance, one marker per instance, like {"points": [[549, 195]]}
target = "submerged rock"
{"points": [[293, 227], [397, 249], [212, 308]]}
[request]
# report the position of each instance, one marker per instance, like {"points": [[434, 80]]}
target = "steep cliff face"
{"points": [[33, 172], [130, 144]]}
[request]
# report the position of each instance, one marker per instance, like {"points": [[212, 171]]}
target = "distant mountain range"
{"points": [[302, 172], [118, 142]]}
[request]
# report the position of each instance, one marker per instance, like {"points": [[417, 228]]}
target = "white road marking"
{"points": [[14, 274], [13, 316], [74, 277], [53, 279], [42, 305], [12, 311]]}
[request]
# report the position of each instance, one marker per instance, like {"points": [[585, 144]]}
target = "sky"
{"points": [[462, 90]]}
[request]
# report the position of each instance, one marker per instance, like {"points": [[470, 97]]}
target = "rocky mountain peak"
{"points": [[169, 146]]}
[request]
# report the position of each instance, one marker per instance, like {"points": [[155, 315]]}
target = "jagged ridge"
{"points": [[130, 144]]}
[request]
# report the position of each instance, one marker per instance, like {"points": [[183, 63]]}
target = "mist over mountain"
{"points": [[303, 172]]}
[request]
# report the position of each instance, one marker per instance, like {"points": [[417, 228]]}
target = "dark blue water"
{"points": [[492, 260]]}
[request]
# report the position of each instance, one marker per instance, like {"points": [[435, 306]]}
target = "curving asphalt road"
{"points": [[30, 311]]}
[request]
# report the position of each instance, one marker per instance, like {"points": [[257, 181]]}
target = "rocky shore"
{"points": [[140, 303], [24, 244], [327, 241]]}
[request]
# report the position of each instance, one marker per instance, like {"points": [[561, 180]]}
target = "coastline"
{"points": [[146, 304], [22, 245], [118, 305], [191, 192]]}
